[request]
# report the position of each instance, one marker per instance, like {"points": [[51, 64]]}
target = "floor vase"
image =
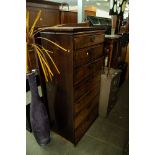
{"points": [[38, 114]]}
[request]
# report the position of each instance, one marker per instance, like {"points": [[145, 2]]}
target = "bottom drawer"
{"points": [[80, 131], [85, 112]]}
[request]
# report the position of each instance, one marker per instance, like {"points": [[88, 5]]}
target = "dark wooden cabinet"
{"points": [[78, 85], [49, 12], [68, 17], [49, 17]]}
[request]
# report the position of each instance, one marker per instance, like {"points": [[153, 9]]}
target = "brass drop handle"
{"points": [[87, 53]]}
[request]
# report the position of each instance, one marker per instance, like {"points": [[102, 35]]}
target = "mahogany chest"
{"points": [[78, 85]]}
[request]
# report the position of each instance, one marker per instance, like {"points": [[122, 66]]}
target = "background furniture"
{"points": [[49, 17], [78, 85], [83, 24], [68, 17], [100, 22], [112, 50], [124, 59]]}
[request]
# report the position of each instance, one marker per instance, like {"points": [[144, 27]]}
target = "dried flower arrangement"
{"points": [[38, 114], [41, 52]]}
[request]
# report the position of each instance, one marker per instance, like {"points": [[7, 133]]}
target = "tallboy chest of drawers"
{"points": [[78, 85]]}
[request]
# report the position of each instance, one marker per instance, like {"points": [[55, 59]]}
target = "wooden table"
{"points": [[112, 50]]}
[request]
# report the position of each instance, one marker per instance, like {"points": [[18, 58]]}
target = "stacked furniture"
{"points": [[78, 85]]}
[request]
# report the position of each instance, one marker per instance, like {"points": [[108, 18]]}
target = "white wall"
{"points": [[73, 8], [99, 12]]}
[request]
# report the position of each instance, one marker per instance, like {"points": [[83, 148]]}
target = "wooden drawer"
{"points": [[86, 85], [86, 111], [86, 99], [87, 55], [84, 71], [79, 132], [87, 40]]}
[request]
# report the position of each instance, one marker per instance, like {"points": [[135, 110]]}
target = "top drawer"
{"points": [[87, 40], [87, 55]]}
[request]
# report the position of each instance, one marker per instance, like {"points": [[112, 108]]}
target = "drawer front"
{"points": [[79, 132], [86, 85], [87, 55], [80, 118], [85, 100], [88, 40], [84, 71]]}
